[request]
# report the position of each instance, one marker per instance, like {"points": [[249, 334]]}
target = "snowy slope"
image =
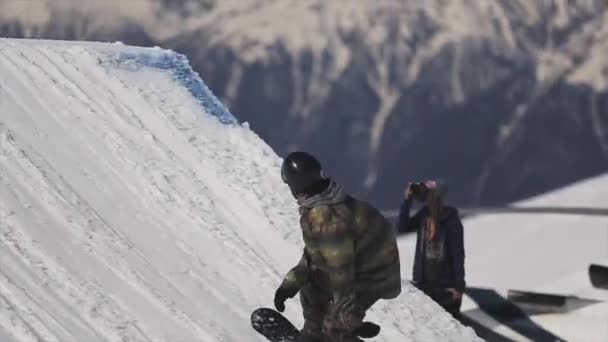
{"points": [[546, 253], [548, 249], [134, 207]]}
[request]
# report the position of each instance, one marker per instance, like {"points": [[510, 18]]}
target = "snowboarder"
{"points": [[439, 258], [350, 258]]}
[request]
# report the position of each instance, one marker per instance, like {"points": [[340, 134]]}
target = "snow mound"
{"points": [[134, 207]]}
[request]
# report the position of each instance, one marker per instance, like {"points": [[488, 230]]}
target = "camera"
{"points": [[419, 190]]}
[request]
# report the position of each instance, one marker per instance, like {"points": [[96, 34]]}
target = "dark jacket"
{"points": [[352, 244], [450, 231]]}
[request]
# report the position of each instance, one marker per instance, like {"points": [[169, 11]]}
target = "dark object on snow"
{"points": [[599, 276], [544, 303], [273, 325], [277, 328]]}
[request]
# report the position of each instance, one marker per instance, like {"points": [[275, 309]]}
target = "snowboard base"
{"points": [[273, 325], [277, 328]]}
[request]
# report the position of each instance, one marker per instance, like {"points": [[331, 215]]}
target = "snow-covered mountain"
{"points": [[133, 206], [502, 99]]}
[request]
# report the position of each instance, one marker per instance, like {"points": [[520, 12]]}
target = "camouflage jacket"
{"points": [[349, 242]]}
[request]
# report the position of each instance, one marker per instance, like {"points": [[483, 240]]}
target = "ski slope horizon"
{"points": [[134, 206]]}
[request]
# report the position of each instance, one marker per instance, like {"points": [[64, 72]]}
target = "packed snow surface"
{"points": [[134, 207]]}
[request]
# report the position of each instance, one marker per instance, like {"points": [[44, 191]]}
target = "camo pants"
{"points": [[315, 301]]}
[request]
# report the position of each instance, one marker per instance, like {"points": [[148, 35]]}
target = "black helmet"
{"points": [[301, 171]]}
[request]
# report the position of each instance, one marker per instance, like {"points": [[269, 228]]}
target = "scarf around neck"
{"points": [[334, 194]]}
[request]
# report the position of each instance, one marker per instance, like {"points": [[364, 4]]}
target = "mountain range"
{"points": [[500, 99]]}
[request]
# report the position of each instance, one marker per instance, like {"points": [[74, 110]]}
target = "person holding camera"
{"points": [[439, 258]]}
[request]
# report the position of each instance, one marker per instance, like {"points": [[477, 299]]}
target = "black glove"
{"points": [[281, 295]]}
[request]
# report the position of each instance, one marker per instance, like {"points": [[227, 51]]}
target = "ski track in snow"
{"points": [[134, 208]]}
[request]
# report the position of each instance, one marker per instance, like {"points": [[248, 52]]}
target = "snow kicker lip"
{"points": [[178, 66]]}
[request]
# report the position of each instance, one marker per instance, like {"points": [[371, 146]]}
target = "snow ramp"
{"points": [[134, 207]]}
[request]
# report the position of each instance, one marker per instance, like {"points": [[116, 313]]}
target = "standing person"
{"points": [[350, 258], [439, 258]]}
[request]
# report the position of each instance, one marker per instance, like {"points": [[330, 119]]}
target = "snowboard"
{"points": [[277, 328], [273, 325]]}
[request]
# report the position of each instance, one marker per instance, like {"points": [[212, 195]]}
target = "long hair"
{"points": [[435, 206]]}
